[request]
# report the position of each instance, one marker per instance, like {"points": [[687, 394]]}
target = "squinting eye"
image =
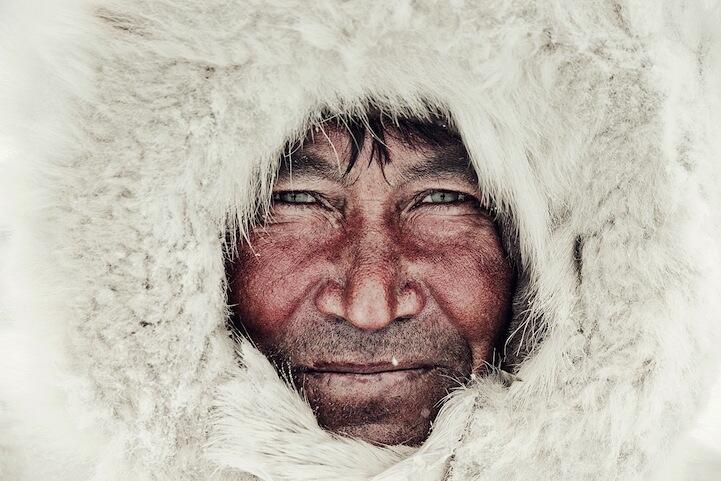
{"points": [[294, 197], [444, 197]]}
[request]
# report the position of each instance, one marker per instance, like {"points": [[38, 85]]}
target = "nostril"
{"points": [[411, 301], [329, 300]]}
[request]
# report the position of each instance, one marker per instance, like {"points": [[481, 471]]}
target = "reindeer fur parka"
{"points": [[136, 133]]}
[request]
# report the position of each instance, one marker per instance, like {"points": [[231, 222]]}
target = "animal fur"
{"points": [[139, 132]]}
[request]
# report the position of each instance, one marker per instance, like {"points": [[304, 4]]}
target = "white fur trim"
{"points": [[136, 129]]}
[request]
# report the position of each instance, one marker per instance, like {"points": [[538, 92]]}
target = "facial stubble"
{"points": [[400, 411]]}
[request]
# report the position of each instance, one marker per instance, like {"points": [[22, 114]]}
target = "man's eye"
{"points": [[444, 197], [294, 197]]}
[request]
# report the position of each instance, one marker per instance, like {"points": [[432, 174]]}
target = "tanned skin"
{"points": [[380, 290]]}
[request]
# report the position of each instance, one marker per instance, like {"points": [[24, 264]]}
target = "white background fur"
{"points": [[130, 140]]}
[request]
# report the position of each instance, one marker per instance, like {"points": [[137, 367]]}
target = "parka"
{"points": [[139, 133]]}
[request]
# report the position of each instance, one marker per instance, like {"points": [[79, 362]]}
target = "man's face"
{"points": [[379, 290]]}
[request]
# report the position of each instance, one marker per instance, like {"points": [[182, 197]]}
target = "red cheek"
{"points": [[276, 274], [465, 269]]}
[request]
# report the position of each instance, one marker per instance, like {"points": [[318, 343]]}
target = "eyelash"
{"points": [[465, 199], [318, 200], [276, 197]]}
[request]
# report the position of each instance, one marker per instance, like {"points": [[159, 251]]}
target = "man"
{"points": [[529, 292], [378, 280]]}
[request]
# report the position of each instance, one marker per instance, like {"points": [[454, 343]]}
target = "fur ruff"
{"points": [[137, 132]]}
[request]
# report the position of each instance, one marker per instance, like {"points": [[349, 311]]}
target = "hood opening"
{"points": [[432, 127]]}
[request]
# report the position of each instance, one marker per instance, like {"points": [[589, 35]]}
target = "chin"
{"points": [[390, 432], [388, 408]]}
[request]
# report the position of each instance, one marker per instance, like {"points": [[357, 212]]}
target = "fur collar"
{"points": [[137, 133]]}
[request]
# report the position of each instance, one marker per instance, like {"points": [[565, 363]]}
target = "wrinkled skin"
{"points": [[379, 291]]}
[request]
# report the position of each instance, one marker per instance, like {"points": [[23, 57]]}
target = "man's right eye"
{"points": [[294, 197]]}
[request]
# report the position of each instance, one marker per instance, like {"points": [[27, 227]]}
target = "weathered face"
{"points": [[380, 293]]}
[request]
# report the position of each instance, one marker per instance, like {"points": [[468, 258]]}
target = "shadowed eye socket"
{"points": [[294, 197]]}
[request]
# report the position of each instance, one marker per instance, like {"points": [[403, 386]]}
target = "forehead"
{"points": [[339, 154]]}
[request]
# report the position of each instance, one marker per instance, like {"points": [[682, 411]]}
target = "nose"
{"points": [[374, 290]]}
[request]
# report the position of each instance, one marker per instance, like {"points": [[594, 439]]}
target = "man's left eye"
{"points": [[444, 197], [294, 197]]}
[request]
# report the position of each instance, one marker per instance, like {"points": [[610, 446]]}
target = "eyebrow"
{"points": [[446, 162], [309, 165]]}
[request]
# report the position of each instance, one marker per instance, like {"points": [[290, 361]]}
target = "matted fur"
{"points": [[138, 131]]}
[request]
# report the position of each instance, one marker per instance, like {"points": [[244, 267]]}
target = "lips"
{"points": [[366, 368]]}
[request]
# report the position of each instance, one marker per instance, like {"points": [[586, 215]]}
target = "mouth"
{"points": [[366, 369]]}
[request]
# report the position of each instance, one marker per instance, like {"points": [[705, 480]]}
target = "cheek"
{"points": [[272, 279], [464, 267]]}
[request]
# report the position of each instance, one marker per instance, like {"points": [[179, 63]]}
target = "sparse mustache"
{"points": [[331, 340]]}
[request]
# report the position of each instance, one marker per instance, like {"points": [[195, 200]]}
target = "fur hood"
{"points": [[139, 131]]}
